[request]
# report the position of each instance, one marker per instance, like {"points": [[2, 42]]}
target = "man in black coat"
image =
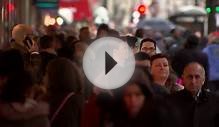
{"points": [[196, 106]]}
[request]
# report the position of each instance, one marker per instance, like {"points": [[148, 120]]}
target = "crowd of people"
{"points": [[42, 84]]}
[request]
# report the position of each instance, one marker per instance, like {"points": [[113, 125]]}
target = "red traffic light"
{"points": [[141, 9], [10, 7]]}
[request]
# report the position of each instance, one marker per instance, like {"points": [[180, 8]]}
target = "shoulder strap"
{"points": [[61, 106]]}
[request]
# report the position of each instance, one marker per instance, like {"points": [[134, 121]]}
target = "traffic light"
{"points": [[10, 7], [211, 9], [142, 9], [208, 10], [217, 9]]}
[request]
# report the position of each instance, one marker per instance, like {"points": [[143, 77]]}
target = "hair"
{"points": [[71, 39], [142, 80], [82, 35], [158, 56], [18, 81], [148, 40], [170, 83], [63, 79], [192, 42], [113, 33], [71, 81], [102, 27], [142, 56], [11, 61], [195, 62], [16, 87], [131, 41], [46, 41], [172, 30], [139, 33], [66, 52], [83, 28]]}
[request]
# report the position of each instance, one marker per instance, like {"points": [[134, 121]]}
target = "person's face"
{"points": [[193, 77], [80, 49], [134, 99], [149, 48], [85, 34], [160, 68], [134, 50], [103, 33]]}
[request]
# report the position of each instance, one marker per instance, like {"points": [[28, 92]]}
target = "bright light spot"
{"points": [[67, 14], [142, 9], [217, 19], [10, 7], [101, 15], [52, 21], [135, 20], [136, 14], [49, 20], [59, 21]]}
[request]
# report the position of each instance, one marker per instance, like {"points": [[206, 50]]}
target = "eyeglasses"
{"points": [[148, 49]]}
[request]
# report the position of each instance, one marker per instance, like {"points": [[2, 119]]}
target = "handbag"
{"points": [[61, 106]]}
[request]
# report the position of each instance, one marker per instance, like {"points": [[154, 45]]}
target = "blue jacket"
{"points": [[212, 52]]}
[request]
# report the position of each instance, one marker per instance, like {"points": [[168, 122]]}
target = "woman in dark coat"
{"points": [[137, 106], [17, 108], [65, 93]]}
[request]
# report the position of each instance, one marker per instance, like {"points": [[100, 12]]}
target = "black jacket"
{"points": [[200, 112]]}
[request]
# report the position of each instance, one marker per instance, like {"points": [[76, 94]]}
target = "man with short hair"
{"points": [[148, 46], [196, 106]]}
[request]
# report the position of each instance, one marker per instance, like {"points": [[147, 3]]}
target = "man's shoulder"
{"points": [[180, 95]]}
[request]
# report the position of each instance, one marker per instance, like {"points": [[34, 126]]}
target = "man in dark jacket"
{"points": [[196, 106]]}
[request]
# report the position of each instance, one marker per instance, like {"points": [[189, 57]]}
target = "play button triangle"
{"points": [[109, 63]]}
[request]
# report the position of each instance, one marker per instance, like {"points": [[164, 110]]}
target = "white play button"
{"points": [[108, 63]]}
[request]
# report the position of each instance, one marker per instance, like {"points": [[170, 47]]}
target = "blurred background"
{"points": [[197, 16]]}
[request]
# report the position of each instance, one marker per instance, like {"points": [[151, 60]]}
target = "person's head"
{"points": [[193, 77], [113, 33], [148, 46], [142, 59], [66, 52], [136, 92], [192, 42], [131, 40], [20, 32], [59, 40], [11, 61], [46, 42], [102, 30], [57, 82], [79, 49], [140, 33], [15, 82], [84, 34], [51, 30], [70, 39], [160, 69], [175, 32], [213, 37]]}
